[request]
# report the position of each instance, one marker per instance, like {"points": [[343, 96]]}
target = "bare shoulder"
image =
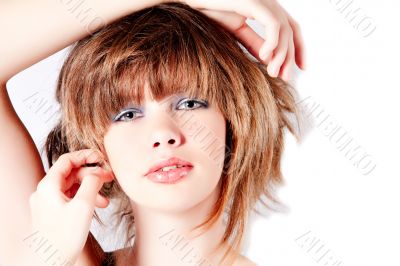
{"points": [[244, 261]]}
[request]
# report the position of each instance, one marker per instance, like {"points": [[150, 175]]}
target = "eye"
{"points": [[192, 104], [126, 115]]}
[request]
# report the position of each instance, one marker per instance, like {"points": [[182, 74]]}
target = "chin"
{"points": [[172, 202], [180, 197]]}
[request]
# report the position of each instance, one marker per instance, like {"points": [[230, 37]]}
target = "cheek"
{"points": [[124, 152], [205, 135], [204, 144], [206, 139]]}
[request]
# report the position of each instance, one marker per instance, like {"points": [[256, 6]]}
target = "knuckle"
{"points": [[77, 154], [275, 25], [81, 153], [274, 19], [273, 43], [295, 24], [63, 157], [93, 154]]}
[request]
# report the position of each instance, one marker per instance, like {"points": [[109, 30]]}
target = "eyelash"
{"points": [[130, 110]]}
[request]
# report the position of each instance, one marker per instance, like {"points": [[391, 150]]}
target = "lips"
{"points": [[173, 161], [170, 177]]}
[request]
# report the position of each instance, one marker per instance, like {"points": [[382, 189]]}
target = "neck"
{"points": [[166, 238]]}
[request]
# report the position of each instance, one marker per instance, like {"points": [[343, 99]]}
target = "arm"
{"points": [[42, 27], [31, 31], [21, 169]]}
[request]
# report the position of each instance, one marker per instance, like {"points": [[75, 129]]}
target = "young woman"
{"points": [[185, 129]]}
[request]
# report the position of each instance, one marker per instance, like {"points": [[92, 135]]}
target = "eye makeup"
{"points": [[191, 104], [125, 111]]}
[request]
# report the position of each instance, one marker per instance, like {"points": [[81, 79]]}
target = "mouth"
{"points": [[168, 164], [171, 176]]}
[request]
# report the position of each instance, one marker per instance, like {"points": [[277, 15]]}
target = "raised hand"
{"points": [[283, 45], [61, 209]]}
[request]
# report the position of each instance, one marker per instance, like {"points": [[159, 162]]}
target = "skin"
{"points": [[29, 188], [134, 145], [282, 45]]}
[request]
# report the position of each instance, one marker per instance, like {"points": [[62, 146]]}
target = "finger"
{"points": [[236, 24], [101, 201], [70, 192], [88, 190], [229, 20], [280, 54], [77, 175], [250, 40], [272, 29], [286, 68], [62, 168], [300, 55]]}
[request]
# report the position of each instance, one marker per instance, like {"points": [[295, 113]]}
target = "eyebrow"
{"points": [[176, 97]]}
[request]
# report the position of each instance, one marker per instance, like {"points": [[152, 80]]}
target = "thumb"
{"points": [[88, 190], [101, 201]]}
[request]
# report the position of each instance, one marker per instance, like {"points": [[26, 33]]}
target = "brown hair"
{"points": [[175, 48]]}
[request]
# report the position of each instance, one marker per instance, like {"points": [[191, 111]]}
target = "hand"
{"points": [[60, 211], [283, 45]]}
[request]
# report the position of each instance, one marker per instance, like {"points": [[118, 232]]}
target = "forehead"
{"points": [[148, 98], [141, 84]]}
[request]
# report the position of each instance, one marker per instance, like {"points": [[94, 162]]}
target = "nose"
{"points": [[170, 141], [166, 133]]}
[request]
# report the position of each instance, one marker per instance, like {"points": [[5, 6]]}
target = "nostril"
{"points": [[171, 141]]}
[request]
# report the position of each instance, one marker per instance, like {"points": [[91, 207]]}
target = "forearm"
{"points": [[32, 30]]}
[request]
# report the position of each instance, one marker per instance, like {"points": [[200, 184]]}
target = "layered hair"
{"points": [[174, 48]]}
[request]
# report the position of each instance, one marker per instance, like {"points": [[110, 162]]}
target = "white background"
{"points": [[336, 210]]}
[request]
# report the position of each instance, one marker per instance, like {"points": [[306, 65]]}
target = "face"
{"points": [[190, 129]]}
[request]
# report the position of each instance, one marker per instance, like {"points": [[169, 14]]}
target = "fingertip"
{"points": [[286, 71], [301, 61], [101, 201], [273, 70], [264, 52], [284, 76], [90, 186], [109, 177], [303, 65], [268, 59]]}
